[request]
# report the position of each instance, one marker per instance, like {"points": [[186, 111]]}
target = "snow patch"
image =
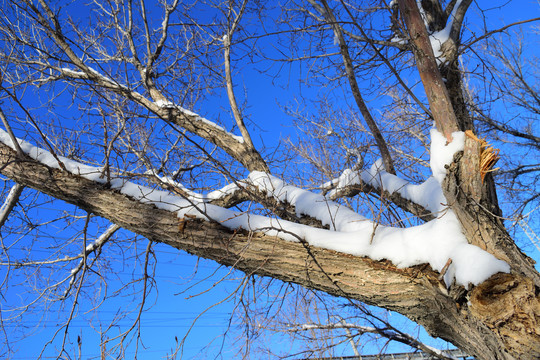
{"points": [[194, 196], [442, 154]]}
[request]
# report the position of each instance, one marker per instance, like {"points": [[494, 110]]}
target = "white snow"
{"points": [[102, 238], [9, 198], [399, 40], [442, 154], [427, 194], [338, 217], [433, 242]]}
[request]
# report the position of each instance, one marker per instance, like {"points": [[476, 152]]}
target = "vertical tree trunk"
{"points": [[436, 92], [507, 305]]}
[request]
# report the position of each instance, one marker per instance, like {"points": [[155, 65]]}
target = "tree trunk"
{"points": [[505, 310], [436, 92]]}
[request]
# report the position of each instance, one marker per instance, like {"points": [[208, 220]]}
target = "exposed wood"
{"points": [[508, 305]]}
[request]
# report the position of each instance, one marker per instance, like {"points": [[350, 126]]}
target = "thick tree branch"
{"points": [[416, 293], [241, 151], [437, 94], [260, 254]]}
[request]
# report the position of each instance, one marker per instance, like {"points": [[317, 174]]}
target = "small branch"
{"points": [[33, 121], [65, 326], [100, 241], [229, 82], [489, 33], [457, 18], [445, 269]]}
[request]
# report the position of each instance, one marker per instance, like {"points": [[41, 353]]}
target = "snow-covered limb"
{"points": [[169, 105], [102, 239], [433, 242], [212, 196], [234, 145], [338, 217], [92, 73], [159, 104], [428, 194]]}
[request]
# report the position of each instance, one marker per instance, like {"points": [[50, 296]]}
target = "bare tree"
{"points": [[102, 108]]}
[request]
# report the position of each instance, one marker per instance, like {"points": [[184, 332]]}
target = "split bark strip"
{"points": [[11, 201], [445, 269], [437, 94], [349, 70], [488, 155]]}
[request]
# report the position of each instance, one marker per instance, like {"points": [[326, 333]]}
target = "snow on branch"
{"points": [[428, 194], [97, 244], [434, 242], [197, 117], [91, 73], [10, 202], [197, 197]]}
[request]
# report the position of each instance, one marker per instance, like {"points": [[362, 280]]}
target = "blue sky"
{"points": [[170, 312]]}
